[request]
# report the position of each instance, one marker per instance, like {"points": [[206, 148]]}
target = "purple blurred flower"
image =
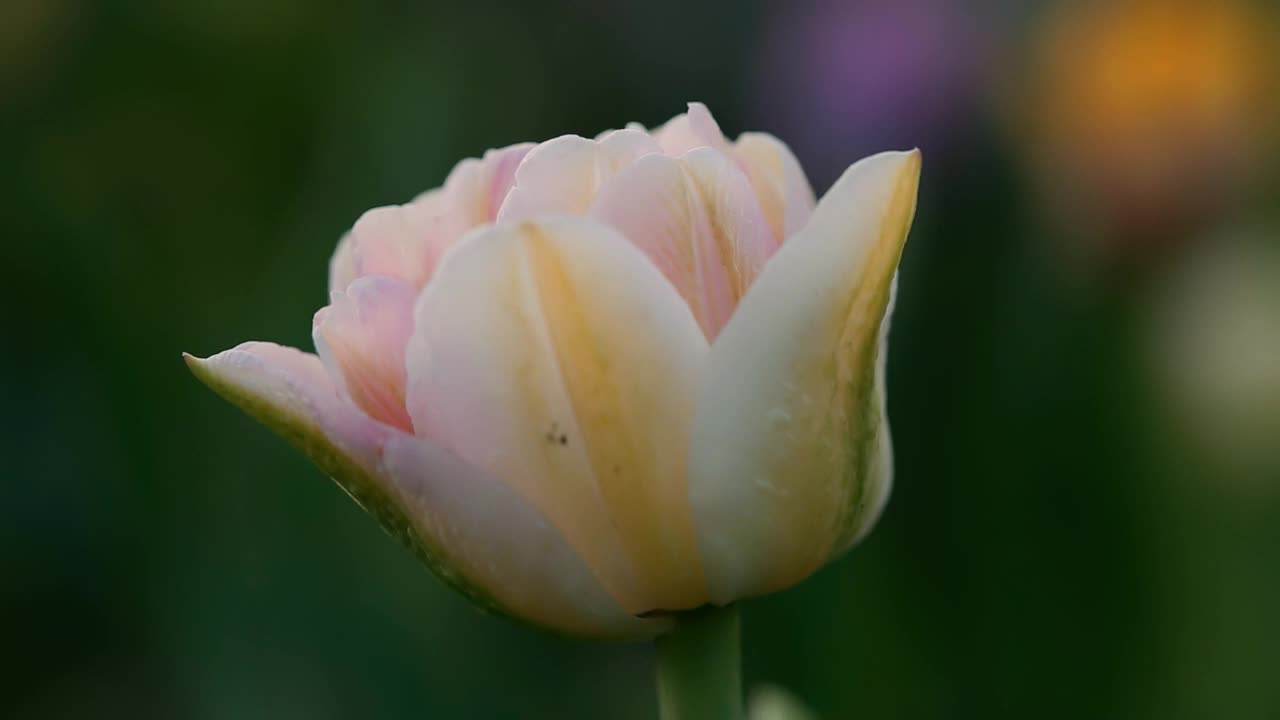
{"points": [[839, 79]]}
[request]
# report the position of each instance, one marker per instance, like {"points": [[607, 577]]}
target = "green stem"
{"points": [[699, 666]]}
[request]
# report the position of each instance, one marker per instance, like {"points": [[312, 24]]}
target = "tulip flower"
{"points": [[607, 385]]}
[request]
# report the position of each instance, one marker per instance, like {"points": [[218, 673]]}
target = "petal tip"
{"points": [[909, 161], [197, 365], [914, 160]]}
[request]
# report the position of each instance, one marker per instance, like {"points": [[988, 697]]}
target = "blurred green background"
{"points": [[1084, 367]]}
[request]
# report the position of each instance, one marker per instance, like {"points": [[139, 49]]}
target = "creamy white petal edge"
{"points": [[791, 461], [470, 529]]}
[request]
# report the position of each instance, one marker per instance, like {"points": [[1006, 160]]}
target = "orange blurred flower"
{"points": [[1149, 117]]}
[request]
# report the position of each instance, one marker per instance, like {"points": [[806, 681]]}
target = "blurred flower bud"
{"points": [[840, 78], [771, 702], [1215, 352]]}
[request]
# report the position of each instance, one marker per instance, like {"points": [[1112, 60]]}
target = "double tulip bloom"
{"points": [[592, 383]]}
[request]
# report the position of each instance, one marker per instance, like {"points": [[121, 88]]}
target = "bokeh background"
{"points": [[1084, 369]]}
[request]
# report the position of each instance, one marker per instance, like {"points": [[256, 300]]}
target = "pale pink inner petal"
{"points": [[396, 240], [694, 129], [561, 176], [407, 241], [780, 184], [361, 337], [698, 220], [478, 187]]}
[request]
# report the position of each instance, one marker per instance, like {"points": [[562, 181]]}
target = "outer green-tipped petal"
{"points": [[554, 355], [790, 461], [289, 391], [468, 528]]}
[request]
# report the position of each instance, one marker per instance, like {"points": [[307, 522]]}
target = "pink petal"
{"points": [[407, 241], [400, 241], [698, 220], [477, 188], [694, 129], [561, 176], [361, 338]]}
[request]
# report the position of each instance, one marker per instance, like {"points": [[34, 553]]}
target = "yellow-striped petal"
{"points": [[554, 355]]}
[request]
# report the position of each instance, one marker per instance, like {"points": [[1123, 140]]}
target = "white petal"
{"points": [[791, 459], [497, 548], [556, 356], [629, 126]]}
